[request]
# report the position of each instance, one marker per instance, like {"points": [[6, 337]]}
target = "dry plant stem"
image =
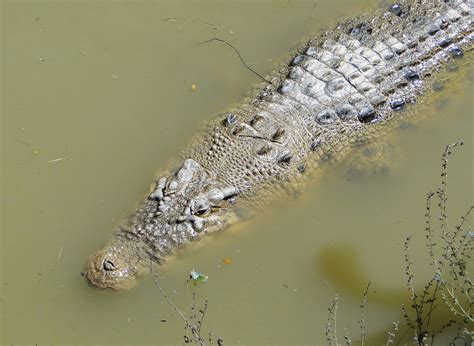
{"points": [[347, 338], [431, 302], [408, 272], [417, 325], [203, 312], [451, 279], [331, 330], [363, 304], [429, 227], [449, 324], [407, 318], [453, 303], [442, 190], [392, 334], [459, 336], [194, 328], [460, 226], [453, 253], [450, 250]]}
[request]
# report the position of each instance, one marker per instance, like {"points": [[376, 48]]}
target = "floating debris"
{"points": [[60, 252], [22, 141], [186, 21], [227, 260], [193, 87], [59, 159], [197, 277], [170, 19]]}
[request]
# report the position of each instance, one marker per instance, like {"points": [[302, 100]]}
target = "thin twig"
{"points": [[157, 283], [203, 313], [22, 141], [240, 56], [431, 301]]}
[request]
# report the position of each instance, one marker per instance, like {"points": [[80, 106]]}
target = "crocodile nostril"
{"points": [[108, 265]]}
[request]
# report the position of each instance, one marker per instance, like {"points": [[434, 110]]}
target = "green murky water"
{"points": [[96, 96]]}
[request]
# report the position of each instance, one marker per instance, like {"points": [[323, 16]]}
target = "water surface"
{"points": [[97, 96]]}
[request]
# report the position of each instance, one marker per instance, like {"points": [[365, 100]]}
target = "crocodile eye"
{"points": [[203, 211]]}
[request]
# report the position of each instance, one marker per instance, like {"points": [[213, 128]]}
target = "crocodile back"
{"points": [[338, 91]]}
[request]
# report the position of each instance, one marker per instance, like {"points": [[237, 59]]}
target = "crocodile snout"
{"points": [[112, 267]]}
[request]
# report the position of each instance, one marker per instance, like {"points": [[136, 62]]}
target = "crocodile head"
{"points": [[180, 208]]}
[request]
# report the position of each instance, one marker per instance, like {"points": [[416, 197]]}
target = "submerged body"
{"points": [[344, 88]]}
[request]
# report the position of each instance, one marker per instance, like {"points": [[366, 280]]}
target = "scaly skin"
{"points": [[343, 88]]}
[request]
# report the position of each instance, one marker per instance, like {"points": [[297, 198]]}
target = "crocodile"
{"points": [[342, 88]]}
